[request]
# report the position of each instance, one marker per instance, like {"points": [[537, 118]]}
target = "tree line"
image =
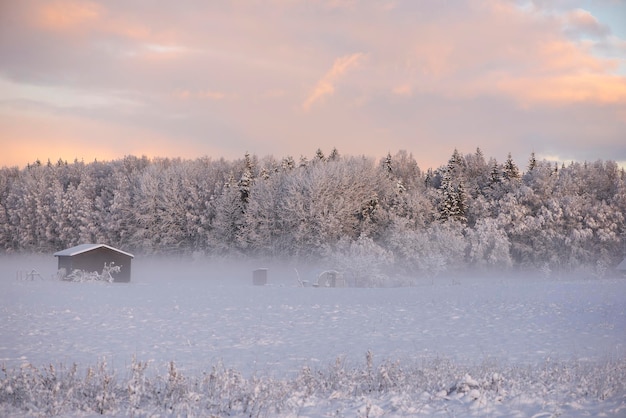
{"points": [[471, 212]]}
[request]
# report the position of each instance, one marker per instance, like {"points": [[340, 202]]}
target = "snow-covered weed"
{"points": [[82, 276], [370, 389]]}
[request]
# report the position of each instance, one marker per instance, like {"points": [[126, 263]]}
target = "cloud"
{"points": [[566, 89], [65, 15], [199, 94], [583, 22], [326, 85], [501, 51], [362, 75], [403, 90]]}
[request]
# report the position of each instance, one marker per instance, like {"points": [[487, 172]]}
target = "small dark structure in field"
{"points": [[259, 277], [93, 257]]}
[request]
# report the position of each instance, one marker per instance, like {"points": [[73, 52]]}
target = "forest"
{"points": [[354, 212]]}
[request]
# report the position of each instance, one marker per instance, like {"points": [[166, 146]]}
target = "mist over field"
{"points": [[475, 289], [197, 337]]}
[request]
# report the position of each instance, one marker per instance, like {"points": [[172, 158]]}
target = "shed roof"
{"points": [[83, 248], [622, 265]]}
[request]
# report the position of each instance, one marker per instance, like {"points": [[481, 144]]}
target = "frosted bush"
{"points": [[82, 276], [402, 389], [363, 262], [546, 271]]}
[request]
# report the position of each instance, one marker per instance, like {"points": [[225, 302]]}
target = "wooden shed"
{"points": [[92, 257]]}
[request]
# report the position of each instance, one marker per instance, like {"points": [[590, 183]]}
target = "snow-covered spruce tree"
{"points": [[288, 163], [541, 180], [319, 155], [453, 197], [532, 162], [230, 207], [387, 164], [228, 220], [334, 155], [510, 171], [495, 173], [247, 179]]}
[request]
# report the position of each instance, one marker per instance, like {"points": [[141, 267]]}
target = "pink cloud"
{"points": [[296, 69], [199, 94], [500, 51], [63, 15], [583, 21], [566, 89], [89, 19], [326, 85]]}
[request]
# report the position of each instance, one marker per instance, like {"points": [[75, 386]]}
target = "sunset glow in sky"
{"points": [[104, 79]]}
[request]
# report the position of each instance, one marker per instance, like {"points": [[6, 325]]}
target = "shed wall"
{"points": [[94, 260]]}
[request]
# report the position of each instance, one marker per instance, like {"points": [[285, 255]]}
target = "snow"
{"points": [[83, 248], [205, 316]]}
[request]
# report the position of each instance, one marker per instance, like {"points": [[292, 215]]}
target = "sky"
{"points": [[103, 79]]}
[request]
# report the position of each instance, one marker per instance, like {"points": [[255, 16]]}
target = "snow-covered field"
{"points": [[496, 346]]}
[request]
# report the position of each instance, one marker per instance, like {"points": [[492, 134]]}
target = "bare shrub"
{"points": [[436, 384]]}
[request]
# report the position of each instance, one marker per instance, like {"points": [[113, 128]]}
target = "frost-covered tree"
{"points": [[334, 155], [319, 204], [229, 219], [288, 163], [532, 162], [387, 165], [453, 196], [488, 245], [495, 173], [429, 251], [33, 207], [247, 179], [558, 216], [265, 230], [362, 262], [71, 217], [8, 232], [510, 170], [406, 169], [476, 173]]}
